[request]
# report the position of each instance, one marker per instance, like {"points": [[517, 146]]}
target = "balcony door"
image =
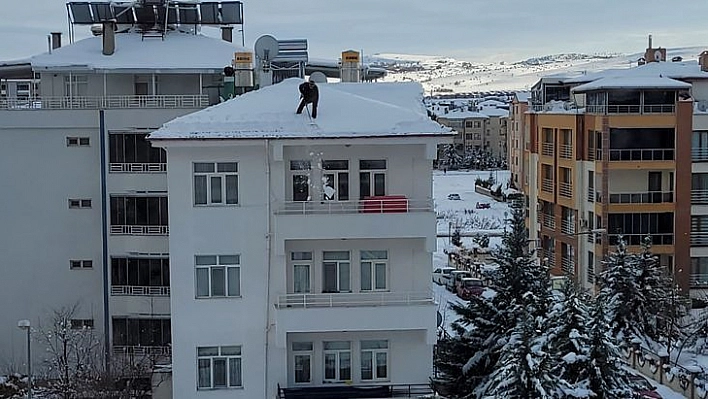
{"points": [[336, 269], [335, 180], [654, 185], [372, 178]]}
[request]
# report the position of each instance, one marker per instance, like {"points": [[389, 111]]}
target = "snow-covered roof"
{"points": [[464, 115], [493, 103], [345, 110], [490, 111], [178, 51], [632, 82], [522, 96], [675, 70]]}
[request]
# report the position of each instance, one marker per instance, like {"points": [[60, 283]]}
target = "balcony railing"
{"points": [[108, 102], [565, 189], [548, 221], [547, 149], [354, 299], [699, 197], [139, 290], [549, 258], [699, 280], [650, 197], [699, 238], [568, 265], [566, 151], [591, 194], [631, 109], [699, 154], [567, 226], [383, 390], [133, 230], [638, 239], [547, 185], [642, 154], [142, 350], [138, 167], [591, 154], [402, 205]]}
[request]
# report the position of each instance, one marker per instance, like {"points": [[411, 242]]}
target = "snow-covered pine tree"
{"points": [[607, 378], [456, 238], [452, 158]]}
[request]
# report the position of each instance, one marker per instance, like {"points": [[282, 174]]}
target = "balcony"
{"points": [[591, 194], [568, 265], [547, 149], [369, 205], [548, 221], [134, 230], [566, 151], [642, 154], [565, 189], [699, 197], [139, 290], [631, 109], [649, 197], [349, 390], [699, 154], [547, 185], [638, 239], [364, 311], [138, 168], [549, 258], [567, 226], [108, 102], [142, 350], [699, 238], [699, 280]]}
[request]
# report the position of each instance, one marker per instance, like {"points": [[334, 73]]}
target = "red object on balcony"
{"points": [[384, 204]]}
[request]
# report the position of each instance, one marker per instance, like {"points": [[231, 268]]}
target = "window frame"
{"points": [[80, 264], [305, 353], [221, 263], [299, 169], [373, 264], [338, 272], [80, 203], [374, 360], [338, 361], [221, 355], [209, 187], [330, 168], [371, 174], [82, 324], [294, 262]]}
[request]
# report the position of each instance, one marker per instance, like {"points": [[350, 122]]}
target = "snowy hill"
{"points": [[440, 74]]}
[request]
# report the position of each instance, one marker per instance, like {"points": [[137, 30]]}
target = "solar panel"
{"points": [[145, 15], [210, 13], [188, 14], [231, 12], [81, 13], [124, 14], [102, 12]]}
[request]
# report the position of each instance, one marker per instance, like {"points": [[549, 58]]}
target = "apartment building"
{"points": [[517, 135], [301, 250], [85, 221], [609, 152], [481, 130]]}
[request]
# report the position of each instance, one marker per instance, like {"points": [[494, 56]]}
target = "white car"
{"points": [[441, 273]]}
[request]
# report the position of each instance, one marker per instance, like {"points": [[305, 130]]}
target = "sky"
{"points": [[473, 30]]}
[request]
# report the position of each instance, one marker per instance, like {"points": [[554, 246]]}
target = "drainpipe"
{"points": [[269, 261]]}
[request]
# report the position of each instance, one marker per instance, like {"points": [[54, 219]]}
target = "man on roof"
{"points": [[309, 94]]}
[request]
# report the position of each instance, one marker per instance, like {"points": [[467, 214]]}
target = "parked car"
{"points": [[440, 273], [455, 278], [469, 287], [454, 197], [643, 388], [483, 205]]}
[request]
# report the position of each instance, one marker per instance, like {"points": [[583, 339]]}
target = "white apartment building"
{"points": [[84, 197], [301, 252]]}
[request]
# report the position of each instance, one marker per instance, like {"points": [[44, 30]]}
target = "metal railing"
{"points": [[566, 151], [138, 167], [591, 154], [699, 238], [649, 197], [642, 154], [550, 257], [142, 350], [107, 102], [699, 279], [568, 265], [134, 230], [567, 226], [349, 207], [139, 290], [699, 196], [591, 194], [547, 185], [548, 221], [547, 149], [638, 239], [373, 298], [351, 390], [565, 189], [699, 154], [631, 109]]}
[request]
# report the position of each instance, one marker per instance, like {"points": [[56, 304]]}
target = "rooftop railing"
{"points": [[107, 102], [354, 299]]}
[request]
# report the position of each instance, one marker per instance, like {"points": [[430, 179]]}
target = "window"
{"points": [[372, 178], [141, 332], [76, 85], [300, 171], [79, 203], [215, 183], [81, 264], [302, 358], [134, 148], [373, 270], [139, 211], [78, 141], [374, 360], [477, 124], [591, 267], [144, 272], [302, 264], [219, 367], [337, 361], [218, 276], [336, 271], [81, 324], [335, 179]]}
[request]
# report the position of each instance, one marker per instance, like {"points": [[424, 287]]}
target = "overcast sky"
{"points": [[475, 30]]}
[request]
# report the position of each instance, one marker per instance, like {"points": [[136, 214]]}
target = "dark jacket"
{"points": [[310, 92]]}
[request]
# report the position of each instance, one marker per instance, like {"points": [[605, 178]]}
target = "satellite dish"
{"points": [[657, 55], [266, 48], [318, 77]]}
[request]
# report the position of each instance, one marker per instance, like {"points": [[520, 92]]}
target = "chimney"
{"points": [[649, 42], [703, 61], [109, 37], [56, 40], [227, 33]]}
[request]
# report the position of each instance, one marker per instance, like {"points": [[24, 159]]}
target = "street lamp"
{"points": [[25, 325]]}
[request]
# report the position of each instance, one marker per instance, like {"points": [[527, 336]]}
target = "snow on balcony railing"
{"points": [[108, 102], [139, 290], [393, 205], [354, 299], [547, 149], [565, 189], [566, 151], [138, 167], [648, 197], [132, 230], [642, 154]]}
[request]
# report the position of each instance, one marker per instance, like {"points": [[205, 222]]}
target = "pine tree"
{"points": [[456, 238]]}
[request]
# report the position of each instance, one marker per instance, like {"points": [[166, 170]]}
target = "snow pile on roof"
{"points": [[464, 115], [345, 110], [522, 96], [491, 111], [632, 82], [178, 51]]}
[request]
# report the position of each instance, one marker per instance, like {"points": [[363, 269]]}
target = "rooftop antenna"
{"points": [[265, 49]]}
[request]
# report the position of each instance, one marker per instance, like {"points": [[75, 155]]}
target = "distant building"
{"points": [[518, 140]]}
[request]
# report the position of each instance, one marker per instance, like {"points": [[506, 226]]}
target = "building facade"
{"points": [[302, 252]]}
